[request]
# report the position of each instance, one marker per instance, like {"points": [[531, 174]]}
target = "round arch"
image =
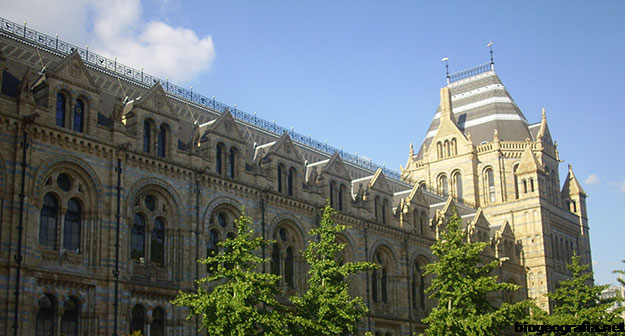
{"points": [[159, 186]]}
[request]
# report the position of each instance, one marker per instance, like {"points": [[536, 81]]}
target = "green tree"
{"points": [[327, 308], [620, 278], [577, 300], [236, 299], [461, 286]]}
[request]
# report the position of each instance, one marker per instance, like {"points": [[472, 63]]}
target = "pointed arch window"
{"points": [[61, 106], [439, 150], [458, 186], [516, 181], [157, 328], [489, 182], [157, 244], [48, 220], [289, 267], [443, 188], [45, 316], [531, 184], [79, 114], [69, 322], [447, 149], [218, 158], [162, 140], [147, 133], [290, 180], [332, 188], [137, 319], [231, 162], [71, 228], [137, 244], [340, 197], [280, 177], [454, 147]]}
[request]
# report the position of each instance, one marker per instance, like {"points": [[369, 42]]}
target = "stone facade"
{"points": [[108, 186]]}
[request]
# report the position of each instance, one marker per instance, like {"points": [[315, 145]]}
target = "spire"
{"points": [[542, 131], [411, 150], [492, 60], [572, 185], [446, 60], [496, 136], [529, 163]]}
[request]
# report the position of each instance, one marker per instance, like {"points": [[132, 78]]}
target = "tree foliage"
{"points": [[327, 308], [577, 300], [236, 299], [461, 285]]}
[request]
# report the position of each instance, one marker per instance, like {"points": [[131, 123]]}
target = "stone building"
{"points": [[113, 183]]}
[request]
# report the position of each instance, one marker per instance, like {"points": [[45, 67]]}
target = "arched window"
{"points": [[531, 184], [137, 244], [61, 106], [454, 146], [289, 267], [218, 158], [443, 185], [69, 322], [384, 285], [384, 210], [45, 316], [524, 186], [332, 188], [489, 183], [447, 149], [71, 229], [458, 186], [212, 249], [275, 259], [280, 177], [147, 133], [162, 140], [516, 181], [439, 150], [48, 220], [423, 185], [79, 114], [574, 204], [374, 285], [376, 205], [340, 196], [290, 181], [157, 245], [137, 321], [157, 328], [231, 162]]}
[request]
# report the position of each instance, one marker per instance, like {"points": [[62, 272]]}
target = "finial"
{"points": [[446, 60], [496, 137], [411, 150], [570, 166], [544, 114], [492, 60]]}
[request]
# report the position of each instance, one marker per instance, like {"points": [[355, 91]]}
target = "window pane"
{"points": [[78, 115], [137, 245], [147, 130], [60, 110], [71, 233], [48, 222], [157, 250]]}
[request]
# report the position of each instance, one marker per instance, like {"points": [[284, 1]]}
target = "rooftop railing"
{"points": [[472, 71], [98, 62]]}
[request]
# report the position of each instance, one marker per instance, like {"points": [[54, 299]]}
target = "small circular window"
{"points": [[64, 182], [150, 202]]}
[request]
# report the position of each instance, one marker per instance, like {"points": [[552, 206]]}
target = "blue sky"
{"points": [[365, 75]]}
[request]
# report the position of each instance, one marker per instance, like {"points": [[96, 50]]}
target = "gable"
{"points": [[156, 101], [225, 126], [285, 148], [336, 167], [72, 69], [378, 182]]}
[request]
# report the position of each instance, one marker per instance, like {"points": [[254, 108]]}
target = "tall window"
{"points": [[60, 109], [290, 181], [283, 254], [48, 221], [45, 316], [340, 196], [157, 245], [443, 185], [221, 226], [280, 177], [458, 186], [79, 113], [454, 147], [374, 286], [69, 322], [275, 259], [439, 150], [212, 249], [157, 328], [384, 210], [489, 182], [332, 187], [516, 181], [147, 134], [137, 244], [71, 229], [447, 149], [418, 287], [289, 267], [137, 319], [161, 141], [379, 279], [231, 162], [376, 205], [218, 158]]}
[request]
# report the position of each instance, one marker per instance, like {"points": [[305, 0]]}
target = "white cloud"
{"points": [[592, 179], [622, 186], [116, 28]]}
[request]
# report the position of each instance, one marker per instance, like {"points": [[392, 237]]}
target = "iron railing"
{"points": [[101, 63], [472, 71]]}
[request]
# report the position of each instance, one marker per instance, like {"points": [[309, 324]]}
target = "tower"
{"points": [[481, 150]]}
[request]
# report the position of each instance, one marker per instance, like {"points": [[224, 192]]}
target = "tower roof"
{"points": [[481, 103], [571, 184]]}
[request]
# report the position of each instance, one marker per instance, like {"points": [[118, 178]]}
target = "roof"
{"points": [[481, 103]]}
